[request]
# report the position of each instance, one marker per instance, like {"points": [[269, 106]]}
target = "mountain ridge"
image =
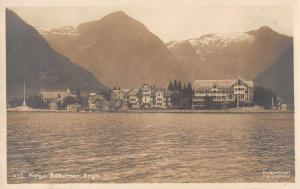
{"points": [[242, 54], [31, 59], [236, 48], [282, 68], [120, 45]]}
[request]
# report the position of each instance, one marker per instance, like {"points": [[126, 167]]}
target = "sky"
{"points": [[170, 21]]}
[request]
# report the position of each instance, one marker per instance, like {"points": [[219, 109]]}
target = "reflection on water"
{"points": [[120, 147]]}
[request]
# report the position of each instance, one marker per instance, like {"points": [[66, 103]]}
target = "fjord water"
{"points": [[150, 147]]}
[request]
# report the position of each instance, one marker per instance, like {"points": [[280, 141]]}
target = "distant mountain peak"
{"points": [[120, 18], [264, 31], [117, 14], [114, 22], [265, 28], [119, 50]]}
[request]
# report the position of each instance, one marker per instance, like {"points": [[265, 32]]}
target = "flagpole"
{"points": [[24, 101]]}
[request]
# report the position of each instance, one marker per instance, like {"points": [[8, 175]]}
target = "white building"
{"points": [[118, 98], [160, 99], [117, 94], [222, 91], [280, 104], [148, 95], [56, 95], [94, 100], [134, 99]]}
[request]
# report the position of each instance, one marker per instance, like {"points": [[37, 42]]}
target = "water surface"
{"points": [[150, 147]]}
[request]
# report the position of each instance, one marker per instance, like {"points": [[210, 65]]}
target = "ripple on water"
{"points": [[151, 147]]}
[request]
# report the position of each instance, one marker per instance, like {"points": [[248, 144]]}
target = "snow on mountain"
{"points": [[223, 39], [175, 43], [217, 40], [64, 30], [230, 55]]}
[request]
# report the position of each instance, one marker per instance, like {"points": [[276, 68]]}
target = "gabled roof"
{"points": [[212, 83], [133, 91], [219, 83]]}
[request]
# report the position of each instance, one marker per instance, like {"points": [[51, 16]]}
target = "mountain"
{"points": [[118, 50], [279, 76], [31, 59], [65, 30], [221, 56]]}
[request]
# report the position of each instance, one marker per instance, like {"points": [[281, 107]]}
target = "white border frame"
{"points": [[45, 3]]}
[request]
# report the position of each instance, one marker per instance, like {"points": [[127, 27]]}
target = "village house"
{"points": [[134, 101], [222, 91], [95, 101], [168, 98], [160, 99], [119, 98], [148, 95], [280, 105], [103, 106]]}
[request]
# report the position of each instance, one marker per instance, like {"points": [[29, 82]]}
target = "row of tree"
{"points": [[181, 95], [264, 97], [36, 101]]}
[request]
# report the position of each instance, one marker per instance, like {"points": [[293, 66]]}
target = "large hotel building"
{"points": [[222, 91]]}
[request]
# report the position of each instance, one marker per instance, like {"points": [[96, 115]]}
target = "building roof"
{"points": [[220, 83], [133, 91], [250, 83], [160, 90], [280, 99]]}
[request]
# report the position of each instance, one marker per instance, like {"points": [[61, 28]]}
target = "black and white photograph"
{"points": [[149, 92]]}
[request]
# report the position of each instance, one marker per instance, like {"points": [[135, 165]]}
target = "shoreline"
{"points": [[231, 111], [202, 111]]}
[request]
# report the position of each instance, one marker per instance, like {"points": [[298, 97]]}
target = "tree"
{"points": [[14, 102], [106, 93], [170, 86], [36, 101], [182, 95], [264, 97], [69, 100], [189, 94], [175, 85], [179, 86], [189, 87], [184, 92], [175, 100], [77, 96]]}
